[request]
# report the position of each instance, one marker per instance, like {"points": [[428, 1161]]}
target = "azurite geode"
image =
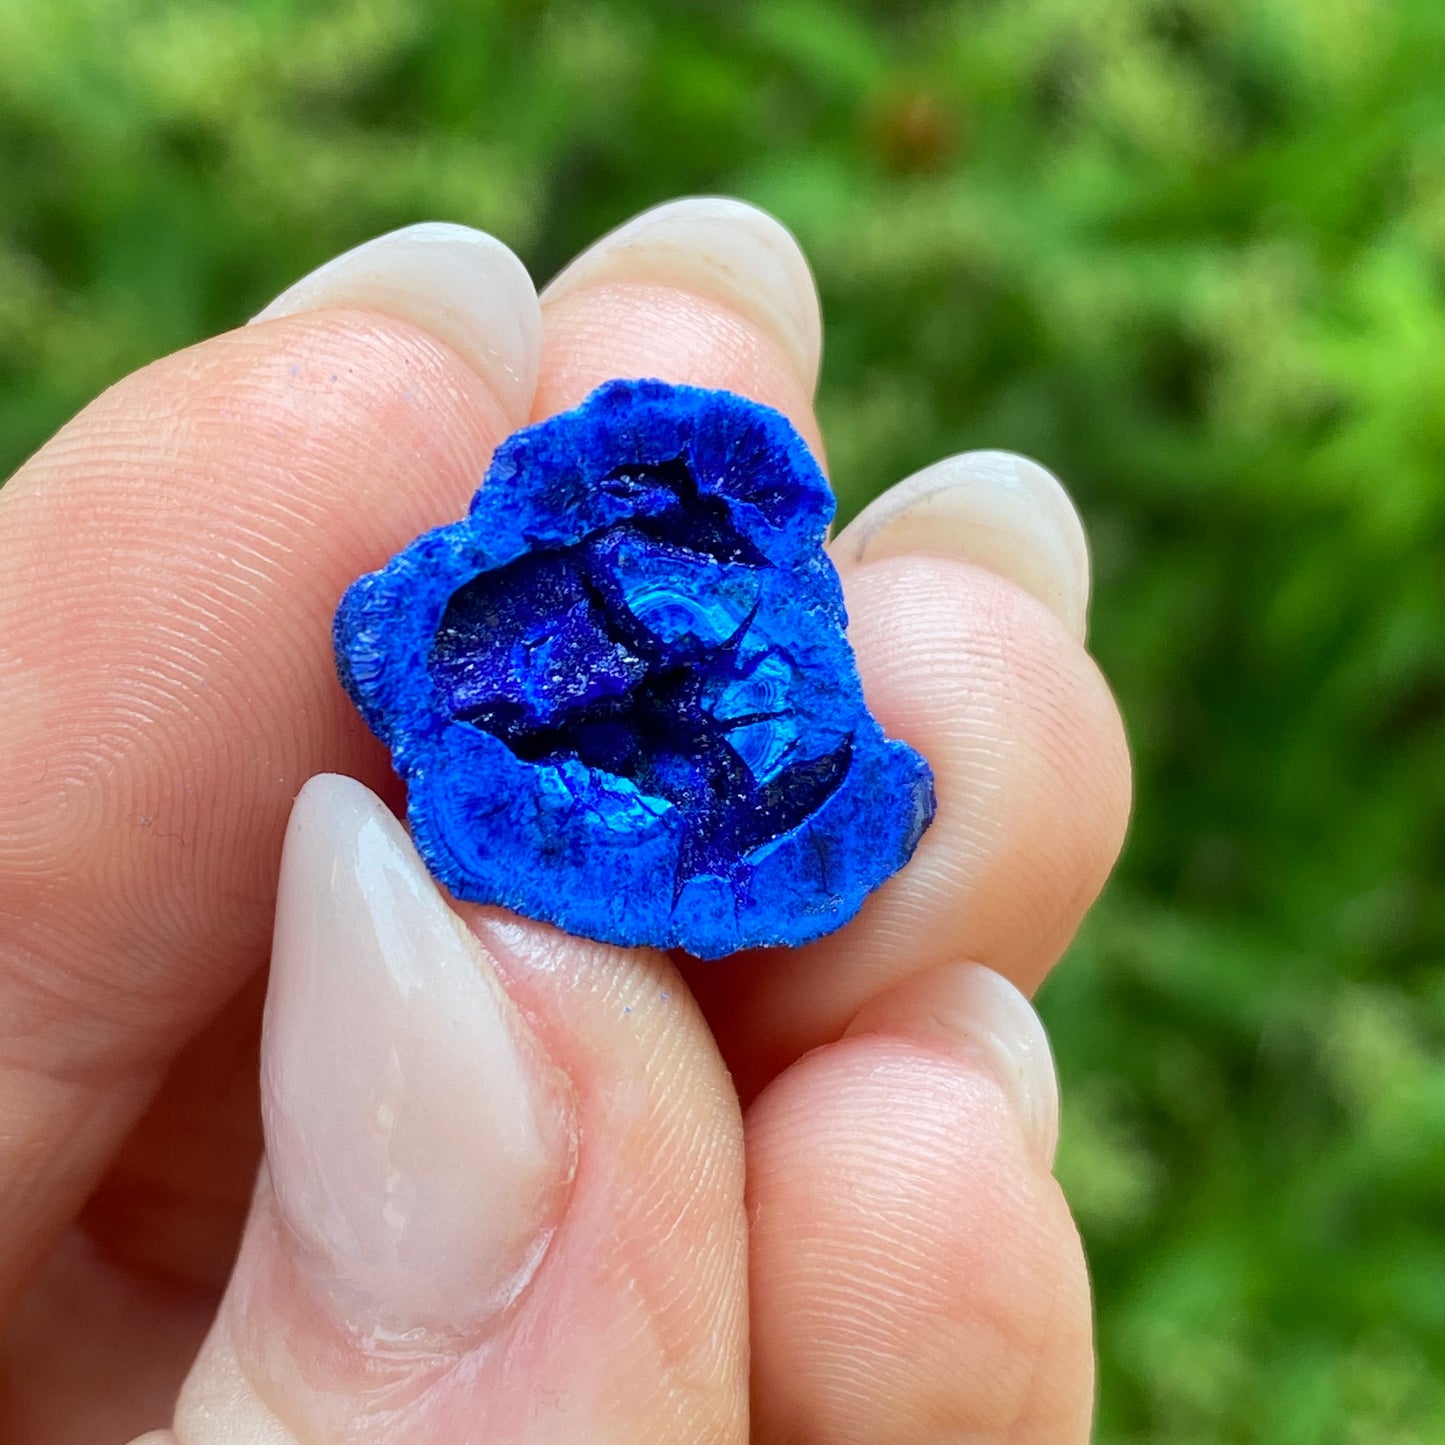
{"points": [[620, 692]]}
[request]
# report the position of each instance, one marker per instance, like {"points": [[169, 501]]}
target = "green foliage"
{"points": [[1188, 252]]}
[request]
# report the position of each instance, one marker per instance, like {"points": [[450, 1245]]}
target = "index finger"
{"points": [[169, 566]]}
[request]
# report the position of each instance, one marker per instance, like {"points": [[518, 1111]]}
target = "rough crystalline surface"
{"points": [[620, 692]]}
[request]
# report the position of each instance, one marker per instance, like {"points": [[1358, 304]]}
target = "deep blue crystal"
{"points": [[620, 692]]}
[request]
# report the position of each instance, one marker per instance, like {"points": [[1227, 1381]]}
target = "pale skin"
{"points": [[789, 1197]]}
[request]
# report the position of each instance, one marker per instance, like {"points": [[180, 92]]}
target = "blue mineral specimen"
{"points": [[619, 690]]}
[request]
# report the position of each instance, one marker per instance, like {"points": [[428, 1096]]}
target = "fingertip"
{"points": [[968, 1009], [1028, 747], [706, 292], [991, 508], [719, 248], [462, 286], [915, 1272]]}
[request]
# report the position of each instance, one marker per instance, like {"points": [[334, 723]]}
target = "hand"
{"points": [[509, 1191]]}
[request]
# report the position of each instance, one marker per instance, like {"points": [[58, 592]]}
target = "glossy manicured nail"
{"points": [[463, 286], [995, 509], [970, 1005], [418, 1139], [717, 247]]}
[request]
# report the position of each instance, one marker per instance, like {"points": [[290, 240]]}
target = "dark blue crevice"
{"points": [[620, 652]]}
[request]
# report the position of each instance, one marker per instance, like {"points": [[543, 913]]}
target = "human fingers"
{"points": [[169, 565], [1032, 777], [916, 1276], [502, 1196], [966, 590]]}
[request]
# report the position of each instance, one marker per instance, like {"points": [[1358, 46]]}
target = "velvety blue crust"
{"points": [[620, 692]]}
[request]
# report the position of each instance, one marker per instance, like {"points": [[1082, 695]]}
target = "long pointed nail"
{"points": [[463, 286], [967, 1004], [995, 509], [721, 248], [418, 1139]]}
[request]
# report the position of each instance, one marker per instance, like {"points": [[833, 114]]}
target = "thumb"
{"points": [[502, 1194]]}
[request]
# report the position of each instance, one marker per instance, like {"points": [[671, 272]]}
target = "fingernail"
{"points": [[720, 248], [970, 1005], [995, 509], [463, 286], [418, 1139]]}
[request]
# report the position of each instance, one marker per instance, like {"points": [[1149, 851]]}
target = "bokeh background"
{"points": [[1190, 253]]}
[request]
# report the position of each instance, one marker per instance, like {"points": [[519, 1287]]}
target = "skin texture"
{"points": [[168, 568]]}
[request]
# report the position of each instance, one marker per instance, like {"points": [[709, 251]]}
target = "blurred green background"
{"points": [[1190, 253]]}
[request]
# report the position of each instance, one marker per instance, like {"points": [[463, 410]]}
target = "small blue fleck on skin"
{"points": [[619, 689]]}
